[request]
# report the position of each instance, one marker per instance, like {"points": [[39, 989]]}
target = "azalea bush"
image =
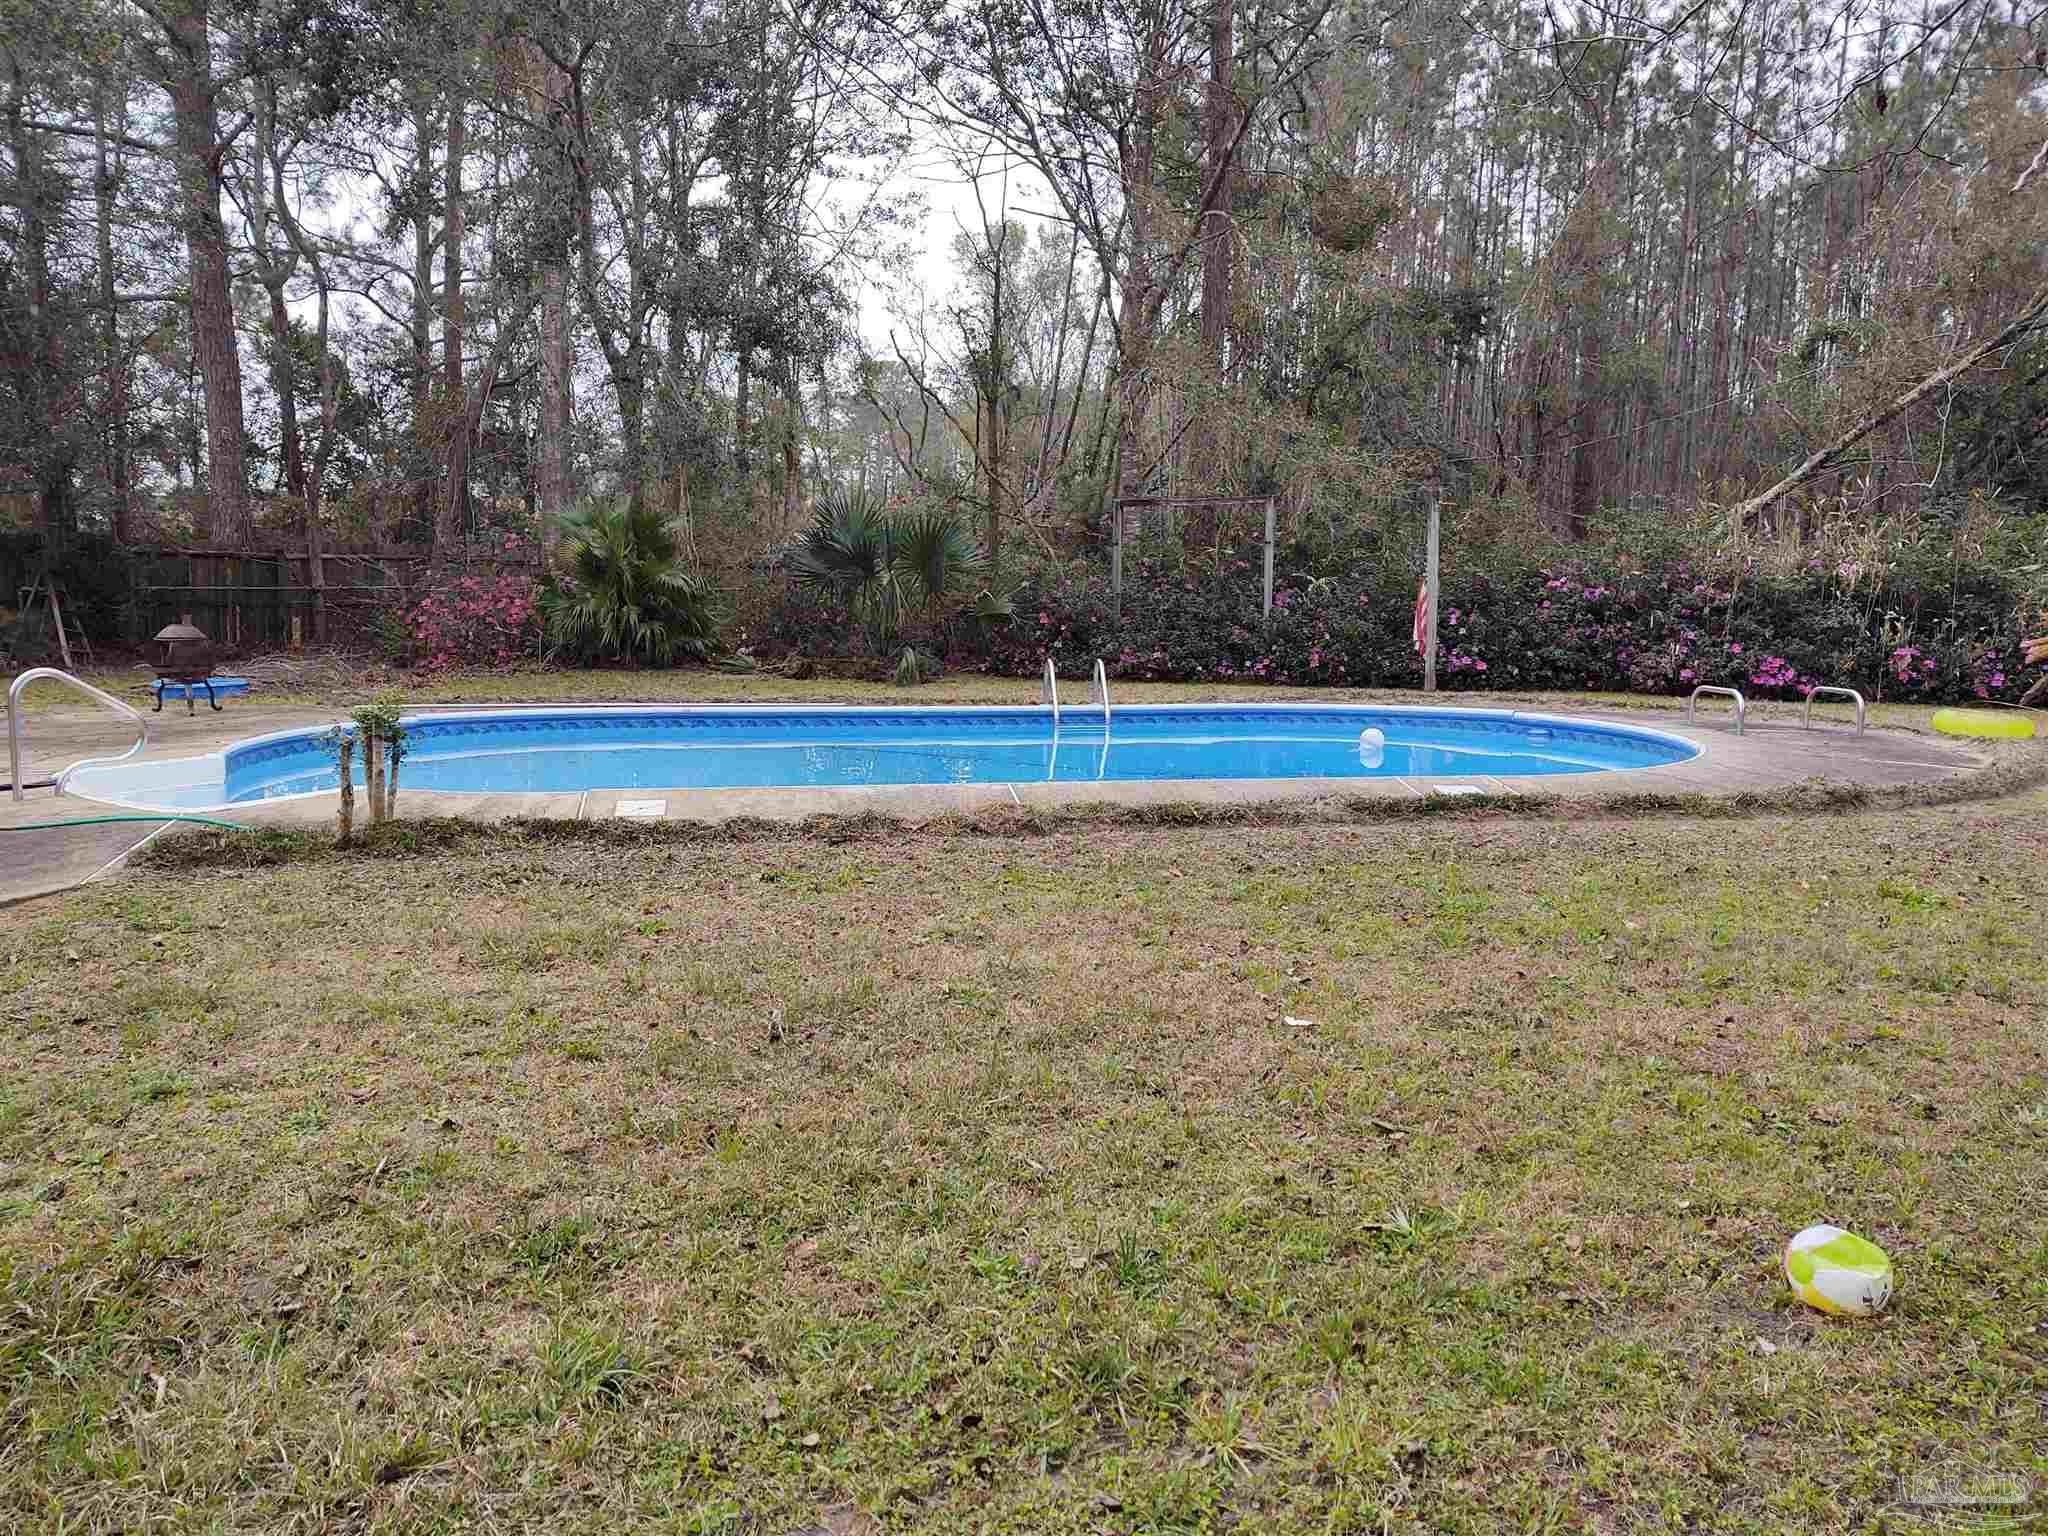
{"points": [[1579, 620], [486, 619]]}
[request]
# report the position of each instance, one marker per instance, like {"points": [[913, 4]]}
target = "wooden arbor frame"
{"points": [[1121, 506]]}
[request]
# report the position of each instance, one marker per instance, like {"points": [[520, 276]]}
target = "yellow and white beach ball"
{"points": [[1838, 1272]]}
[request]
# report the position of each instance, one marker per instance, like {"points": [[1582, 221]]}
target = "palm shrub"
{"points": [[624, 593], [887, 567]]}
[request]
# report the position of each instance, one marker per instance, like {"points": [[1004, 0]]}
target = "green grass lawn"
{"points": [[1294, 1178]]}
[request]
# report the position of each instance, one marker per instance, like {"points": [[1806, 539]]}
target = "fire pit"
{"points": [[184, 655]]}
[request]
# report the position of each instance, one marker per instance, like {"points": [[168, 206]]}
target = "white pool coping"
{"points": [[116, 784]]}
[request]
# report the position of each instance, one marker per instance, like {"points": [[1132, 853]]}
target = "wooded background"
{"points": [[363, 275]]}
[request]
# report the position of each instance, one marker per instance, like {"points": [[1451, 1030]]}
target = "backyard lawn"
{"points": [[1050, 1177]]}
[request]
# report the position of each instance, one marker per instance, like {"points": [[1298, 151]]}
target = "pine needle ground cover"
{"points": [[1116, 1179]]}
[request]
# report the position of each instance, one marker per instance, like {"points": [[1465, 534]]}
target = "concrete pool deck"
{"points": [[1774, 754]]}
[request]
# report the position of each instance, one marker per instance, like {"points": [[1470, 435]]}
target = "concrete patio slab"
{"points": [[1770, 755]]}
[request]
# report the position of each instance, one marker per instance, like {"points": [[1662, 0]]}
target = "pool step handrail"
{"points": [[1806, 720], [1049, 693], [1741, 704], [1100, 692], [57, 674]]}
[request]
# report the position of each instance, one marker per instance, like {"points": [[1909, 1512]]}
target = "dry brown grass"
{"points": [[941, 1183]]}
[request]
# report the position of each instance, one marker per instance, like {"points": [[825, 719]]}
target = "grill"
{"points": [[184, 655]]}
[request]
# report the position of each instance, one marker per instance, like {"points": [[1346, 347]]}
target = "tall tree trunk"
{"points": [[1140, 301], [741, 432], [1051, 411], [114, 368], [199, 154], [632, 392], [1205, 446], [792, 466], [36, 357], [1218, 252], [554, 401], [304, 249], [284, 380], [551, 87], [426, 433], [192, 453], [274, 272], [451, 517]]}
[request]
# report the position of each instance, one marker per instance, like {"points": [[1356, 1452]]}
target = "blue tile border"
{"points": [[260, 759]]}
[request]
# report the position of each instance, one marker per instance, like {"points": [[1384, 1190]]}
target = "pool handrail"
{"points": [[1741, 704], [57, 674], [1806, 720], [1101, 693]]}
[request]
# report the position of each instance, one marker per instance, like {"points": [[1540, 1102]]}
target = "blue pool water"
{"points": [[643, 747]]}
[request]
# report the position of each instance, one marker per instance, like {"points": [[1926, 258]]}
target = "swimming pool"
{"points": [[558, 749]]}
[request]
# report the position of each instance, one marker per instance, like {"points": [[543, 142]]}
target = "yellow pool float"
{"points": [[1991, 724]]}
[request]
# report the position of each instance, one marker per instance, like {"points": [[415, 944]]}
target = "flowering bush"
{"points": [[484, 620], [1591, 620]]}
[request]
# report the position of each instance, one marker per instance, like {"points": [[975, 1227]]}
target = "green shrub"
{"points": [[1564, 619], [625, 594], [885, 566]]}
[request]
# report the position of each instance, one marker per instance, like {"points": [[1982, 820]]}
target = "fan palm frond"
{"points": [[627, 595], [934, 557]]}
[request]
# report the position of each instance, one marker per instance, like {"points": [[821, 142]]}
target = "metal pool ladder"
{"points": [[1100, 693], [1741, 705], [1847, 693], [34, 674], [1049, 693]]}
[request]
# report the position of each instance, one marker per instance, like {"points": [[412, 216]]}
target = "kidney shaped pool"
{"points": [[572, 748]]}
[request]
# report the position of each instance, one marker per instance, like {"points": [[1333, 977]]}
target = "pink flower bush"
{"points": [[486, 620], [1775, 672]]}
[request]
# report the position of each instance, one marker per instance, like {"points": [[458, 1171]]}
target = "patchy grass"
{"points": [[528, 1182], [2009, 772]]}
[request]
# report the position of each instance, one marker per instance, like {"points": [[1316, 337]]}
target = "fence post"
{"points": [[1116, 556], [1269, 558], [1429, 579]]}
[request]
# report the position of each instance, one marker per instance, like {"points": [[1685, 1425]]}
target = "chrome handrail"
{"points": [[1049, 694], [57, 674], [1102, 692], [1806, 721], [1741, 705]]}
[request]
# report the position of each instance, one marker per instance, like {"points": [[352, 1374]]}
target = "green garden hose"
{"points": [[96, 821]]}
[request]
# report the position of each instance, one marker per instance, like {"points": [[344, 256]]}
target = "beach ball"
{"points": [[1838, 1272]]}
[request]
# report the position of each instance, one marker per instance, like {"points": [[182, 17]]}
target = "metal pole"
{"points": [[1429, 578], [1269, 557], [1116, 558]]}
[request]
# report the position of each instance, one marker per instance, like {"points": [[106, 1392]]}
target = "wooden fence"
{"points": [[249, 601]]}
